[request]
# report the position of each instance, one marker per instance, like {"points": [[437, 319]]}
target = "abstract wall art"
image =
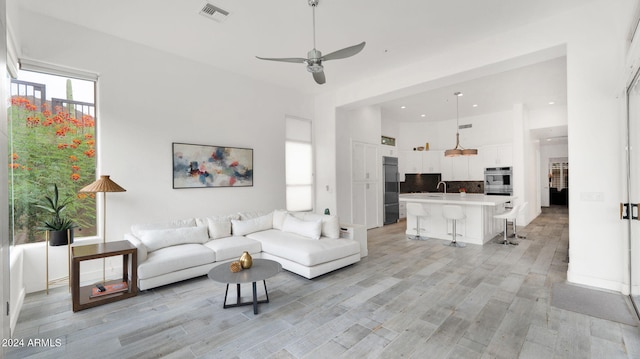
{"points": [[201, 166]]}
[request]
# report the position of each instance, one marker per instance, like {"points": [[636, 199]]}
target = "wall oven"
{"points": [[498, 181]]}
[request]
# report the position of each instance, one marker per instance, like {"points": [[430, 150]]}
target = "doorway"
{"points": [[559, 181]]}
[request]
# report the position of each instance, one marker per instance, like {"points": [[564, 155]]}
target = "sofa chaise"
{"points": [[307, 244]]}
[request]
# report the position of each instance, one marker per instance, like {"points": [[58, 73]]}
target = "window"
{"points": [[52, 140], [299, 164], [559, 175]]}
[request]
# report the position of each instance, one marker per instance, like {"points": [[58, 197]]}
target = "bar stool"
{"points": [[509, 215], [454, 214], [417, 210], [520, 212]]}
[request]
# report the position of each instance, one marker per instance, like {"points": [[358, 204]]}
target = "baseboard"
{"points": [[15, 311]]}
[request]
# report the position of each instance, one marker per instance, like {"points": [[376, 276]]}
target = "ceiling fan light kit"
{"points": [[314, 57], [459, 150]]}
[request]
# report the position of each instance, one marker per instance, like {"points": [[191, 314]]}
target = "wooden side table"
{"points": [[82, 296]]}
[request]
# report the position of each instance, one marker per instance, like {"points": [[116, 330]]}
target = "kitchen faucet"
{"points": [[445, 186]]}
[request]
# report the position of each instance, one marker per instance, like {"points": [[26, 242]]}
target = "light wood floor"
{"points": [[410, 299]]}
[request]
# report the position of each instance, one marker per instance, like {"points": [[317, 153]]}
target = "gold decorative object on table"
{"points": [[245, 260], [235, 266]]}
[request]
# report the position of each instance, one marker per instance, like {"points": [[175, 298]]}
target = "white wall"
{"points": [[325, 137], [148, 99], [595, 40], [595, 72], [531, 184], [550, 116], [389, 128]]}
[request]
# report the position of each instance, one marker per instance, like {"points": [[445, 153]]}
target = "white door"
{"points": [[630, 207], [5, 331]]}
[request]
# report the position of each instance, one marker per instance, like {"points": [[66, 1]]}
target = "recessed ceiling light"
{"points": [[548, 140], [475, 105], [423, 115], [551, 103], [403, 107]]}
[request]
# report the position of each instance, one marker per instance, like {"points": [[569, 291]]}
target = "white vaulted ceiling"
{"points": [[398, 33]]}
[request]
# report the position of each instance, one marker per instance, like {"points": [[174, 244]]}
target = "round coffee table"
{"points": [[259, 271]]}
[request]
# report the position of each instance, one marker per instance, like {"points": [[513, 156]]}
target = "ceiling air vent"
{"points": [[213, 12], [464, 126]]}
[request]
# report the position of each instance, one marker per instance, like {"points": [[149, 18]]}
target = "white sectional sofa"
{"points": [[304, 243]]}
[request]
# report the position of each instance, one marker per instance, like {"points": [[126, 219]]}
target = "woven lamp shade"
{"points": [[104, 184]]}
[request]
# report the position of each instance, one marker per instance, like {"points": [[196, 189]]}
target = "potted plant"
{"points": [[60, 228]]}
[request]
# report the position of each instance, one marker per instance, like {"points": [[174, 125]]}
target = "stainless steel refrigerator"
{"points": [[391, 190]]}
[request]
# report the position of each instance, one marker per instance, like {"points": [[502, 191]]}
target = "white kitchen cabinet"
{"points": [[455, 168], [373, 162], [403, 210], [462, 168], [476, 168], [419, 162], [497, 155], [365, 162], [365, 205], [410, 162], [431, 161], [447, 169], [366, 185]]}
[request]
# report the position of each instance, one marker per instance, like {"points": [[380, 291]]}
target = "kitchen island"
{"points": [[478, 227]]}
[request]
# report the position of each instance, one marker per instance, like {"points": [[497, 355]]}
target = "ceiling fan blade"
{"points": [[298, 60], [344, 53], [319, 77]]}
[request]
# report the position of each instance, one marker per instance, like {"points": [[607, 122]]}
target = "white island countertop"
{"points": [[477, 199], [478, 227]]}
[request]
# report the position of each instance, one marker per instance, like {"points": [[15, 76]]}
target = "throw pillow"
{"points": [[241, 228], [278, 218], [219, 228], [204, 222], [310, 229], [330, 224], [155, 239]]}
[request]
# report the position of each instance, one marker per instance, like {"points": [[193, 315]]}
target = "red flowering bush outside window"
{"points": [[50, 146]]}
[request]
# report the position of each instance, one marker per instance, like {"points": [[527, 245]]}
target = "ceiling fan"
{"points": [[314, 57]]}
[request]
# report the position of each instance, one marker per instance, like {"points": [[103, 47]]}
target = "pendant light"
{"points": [[459, 150]]}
